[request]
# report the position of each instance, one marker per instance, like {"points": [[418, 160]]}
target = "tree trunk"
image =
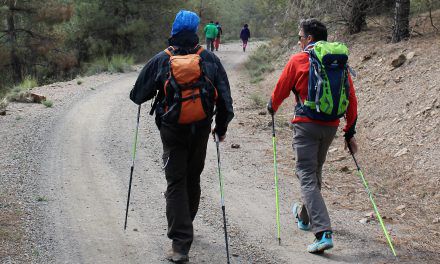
{"points": [[201, 9], [15, 60], [401, 21], [357, 17]]}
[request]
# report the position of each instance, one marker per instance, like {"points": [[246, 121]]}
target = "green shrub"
{"points": [[79, 82], [20, 92], [121, 63], [18, 95], [28, 83], [98, 66], [47, 103], [118, 63], [260, 63], [41, 199]]}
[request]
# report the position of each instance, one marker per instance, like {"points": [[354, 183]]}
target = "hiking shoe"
{"points": [[301, 225], [177, 257], [318, 246]]}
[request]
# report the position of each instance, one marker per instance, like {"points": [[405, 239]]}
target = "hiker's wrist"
{"points": [[269, 107], [220, 131], [349, 135]]}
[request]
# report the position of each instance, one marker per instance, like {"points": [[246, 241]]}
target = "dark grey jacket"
{"points": [[154, 74]]}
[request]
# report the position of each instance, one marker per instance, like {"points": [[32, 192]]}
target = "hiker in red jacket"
{"points": [[312, 137]]}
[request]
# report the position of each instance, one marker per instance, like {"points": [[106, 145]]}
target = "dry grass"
{"points": [[3, 104]]}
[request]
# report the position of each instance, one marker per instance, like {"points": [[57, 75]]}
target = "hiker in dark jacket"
{"points": [[184, 145], [312, 137], [219, 34], [245, 35]]}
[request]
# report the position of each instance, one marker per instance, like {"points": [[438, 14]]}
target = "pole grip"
{"points": [[273, 125], [349, 146]]}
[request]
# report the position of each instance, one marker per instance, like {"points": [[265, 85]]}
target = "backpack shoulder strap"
{"points": [[170, 51], [199, 50], [298, 99]]}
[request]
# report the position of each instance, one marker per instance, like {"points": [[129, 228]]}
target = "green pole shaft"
{"points": [[377, 212], [275, 168], [370, 195]]}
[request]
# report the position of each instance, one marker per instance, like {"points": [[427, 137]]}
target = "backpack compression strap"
{"points": [[171, 51]]}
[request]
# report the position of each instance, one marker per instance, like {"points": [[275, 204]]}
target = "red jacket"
{"points": [[296, 75]]}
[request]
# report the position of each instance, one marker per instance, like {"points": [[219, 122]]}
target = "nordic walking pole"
{"points": [[217, 143], [132, 166], [361, 175], [275, 168]]}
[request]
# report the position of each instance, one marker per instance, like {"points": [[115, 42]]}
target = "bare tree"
{"points": [[401, 21], [357, 16]]}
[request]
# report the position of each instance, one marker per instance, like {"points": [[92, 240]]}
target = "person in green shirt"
{"points": [[211, 32]]}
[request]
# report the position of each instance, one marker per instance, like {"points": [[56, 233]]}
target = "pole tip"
{"points": [[279, 241]]}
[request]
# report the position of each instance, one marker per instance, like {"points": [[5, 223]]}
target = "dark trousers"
{"points": [[184, 152]]}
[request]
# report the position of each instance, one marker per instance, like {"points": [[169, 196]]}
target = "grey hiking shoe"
{"points": [[176, 257]]}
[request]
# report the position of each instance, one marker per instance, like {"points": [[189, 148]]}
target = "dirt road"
{"points": [[82, 166]]}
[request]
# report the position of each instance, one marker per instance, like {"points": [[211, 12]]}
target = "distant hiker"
{"points": [[211, 32], [316, 120], [245, 35], [217, 39], [187, 92]]}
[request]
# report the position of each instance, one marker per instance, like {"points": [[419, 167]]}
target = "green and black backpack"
{"points": [[328, 88]]}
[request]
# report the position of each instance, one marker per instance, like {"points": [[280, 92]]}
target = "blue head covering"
{"points": [[185, 20]]}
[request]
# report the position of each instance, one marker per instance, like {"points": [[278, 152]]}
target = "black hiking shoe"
{"points": [[176, 257]]}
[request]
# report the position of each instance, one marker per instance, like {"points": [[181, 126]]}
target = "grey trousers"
{"points": [[311, 143], [210, 44]]}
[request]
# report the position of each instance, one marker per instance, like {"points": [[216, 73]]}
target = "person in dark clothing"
{"points": [[184, 145], [245, 35], [217, 39]]}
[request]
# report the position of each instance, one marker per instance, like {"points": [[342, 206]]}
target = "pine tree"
{"points": [[31, 38], [107, 27]]}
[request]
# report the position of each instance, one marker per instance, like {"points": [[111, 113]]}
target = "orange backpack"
{"points": [[189, 94]]}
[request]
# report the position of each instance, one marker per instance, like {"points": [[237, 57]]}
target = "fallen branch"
{"points": [[430, 17]]}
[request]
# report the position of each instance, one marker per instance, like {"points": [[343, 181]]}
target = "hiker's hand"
{"points": [[269, 107], [353, 145], [220, 138]]}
